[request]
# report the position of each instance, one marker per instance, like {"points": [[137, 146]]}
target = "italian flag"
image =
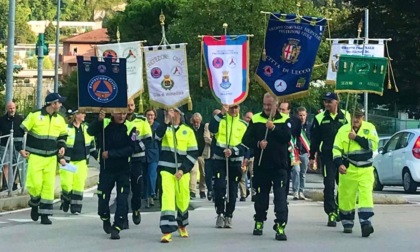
{"points": [[305, 141]]}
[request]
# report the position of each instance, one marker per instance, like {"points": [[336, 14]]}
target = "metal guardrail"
{"points": [[13, 167]]}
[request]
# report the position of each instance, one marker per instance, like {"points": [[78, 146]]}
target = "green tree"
{"points": [[50, 33], [23, 33], [69, 89], [400, 22], [41, 9]]}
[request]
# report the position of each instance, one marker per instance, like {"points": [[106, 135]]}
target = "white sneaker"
{"points": [[302, 196], [228, 222], [295, 196], [220, 221]]}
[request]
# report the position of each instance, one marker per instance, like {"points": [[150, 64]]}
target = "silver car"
{"points": [[398, 162]]}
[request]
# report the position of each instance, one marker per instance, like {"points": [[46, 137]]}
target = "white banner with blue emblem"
{"points": [[131, 51], [167, 75]]}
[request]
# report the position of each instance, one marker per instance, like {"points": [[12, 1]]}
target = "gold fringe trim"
{"points": [[330, 82], [157, 104], [289, 97], [107, 110], [357, 91]]}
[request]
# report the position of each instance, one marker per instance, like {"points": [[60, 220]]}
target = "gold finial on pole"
{"points": [[225, 26], [359, 28], [162, 23], [118, 34], [298, 5], [162, 18]]}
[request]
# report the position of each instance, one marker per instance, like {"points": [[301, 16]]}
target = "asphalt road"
{"points": [[396, 229]]}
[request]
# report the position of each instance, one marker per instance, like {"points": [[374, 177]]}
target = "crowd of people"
{"points": [[254, 153]]}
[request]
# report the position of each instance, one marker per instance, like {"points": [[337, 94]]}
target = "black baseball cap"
{"points": [[72, 111], [330, 96], [54, 97]]}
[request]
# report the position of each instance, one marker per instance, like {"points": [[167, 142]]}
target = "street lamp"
{"points": [[57, 43]]}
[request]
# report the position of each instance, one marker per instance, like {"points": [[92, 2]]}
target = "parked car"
{"points": [[398, 161]]}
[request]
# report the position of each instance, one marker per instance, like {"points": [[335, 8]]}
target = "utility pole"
{"points": [[41, 50], [366, 42], [10, 51], [57, 43]]}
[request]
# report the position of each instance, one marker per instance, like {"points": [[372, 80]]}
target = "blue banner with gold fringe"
{"points": [[102, 84], [287, 60]]}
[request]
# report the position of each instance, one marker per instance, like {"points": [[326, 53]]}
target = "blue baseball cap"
{"points": [[54, 97]]}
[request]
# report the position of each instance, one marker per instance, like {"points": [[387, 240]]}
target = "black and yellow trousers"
{"points": [[175, 201]]}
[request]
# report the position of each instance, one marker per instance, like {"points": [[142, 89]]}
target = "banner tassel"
{"points": [[141, 105], [190, 105], [264, 55], [264, 52]]}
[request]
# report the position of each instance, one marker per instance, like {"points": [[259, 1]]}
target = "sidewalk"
{"points": [[20, 200]]}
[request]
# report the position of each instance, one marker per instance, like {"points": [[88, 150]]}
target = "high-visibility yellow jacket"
{"points": [[143, 137], [46, 133], [88, 142], [359, 152], [228, 132], [183, 144]]}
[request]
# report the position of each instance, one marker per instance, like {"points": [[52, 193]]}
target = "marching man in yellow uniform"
{"points": [[79, 146], [177, 139], [352, 152], [45, 144]]}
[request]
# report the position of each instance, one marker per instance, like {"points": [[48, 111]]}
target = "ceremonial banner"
{"points": [[357, 74], [374, 48], [102, 85], [227, 62], [132, 52], [291, 47], [167, 75]]}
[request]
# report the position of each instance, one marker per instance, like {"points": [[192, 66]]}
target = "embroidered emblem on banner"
{"points": [[268, 71], [156, 72], [225, 80], [102, 88], [177, 71], [217, 62], [280, 85], [110, 54], [87, 67], [232, 62], [102, 69], [115, 69], [167, 82], [130, 54], [291, 51]]}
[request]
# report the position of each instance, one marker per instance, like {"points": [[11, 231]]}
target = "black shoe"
{"points": [[332, 220], [65, 205], [258, 228], [348, 230], [75, 209], [125, 225], [367, 229], [280, 234], [209, 195], [136, 217], [45, 220], [115, 233], [253, 198], [34, 213], [242, 199], [202, 195], [192, 195], [106, 225], [248, 192]]}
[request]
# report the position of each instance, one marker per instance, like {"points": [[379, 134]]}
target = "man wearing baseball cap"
{"points": [[353, 155], [323, 131], [45, 145]]}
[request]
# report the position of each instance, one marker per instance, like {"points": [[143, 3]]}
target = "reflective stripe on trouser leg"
{"points": [[365, 206], [168, 223], [79, 181], [347, 193], [182, 200], [262, 184], [41, 181]]}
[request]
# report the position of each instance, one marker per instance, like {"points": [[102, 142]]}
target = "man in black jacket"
{"points": [[9, 121], [116, 146], [268, 133]]}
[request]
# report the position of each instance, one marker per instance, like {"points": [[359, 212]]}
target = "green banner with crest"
{"points": [[358, 74]]}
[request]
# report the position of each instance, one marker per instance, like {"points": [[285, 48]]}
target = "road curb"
{"points": [[19, 200], [318, 195]]}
